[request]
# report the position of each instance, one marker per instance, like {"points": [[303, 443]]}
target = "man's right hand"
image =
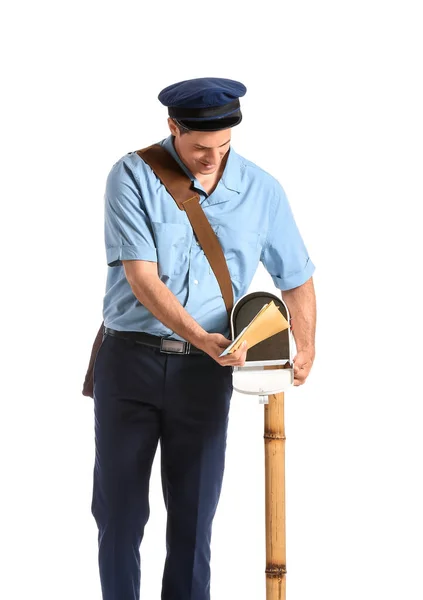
{"points": [[152, 293], [214, 344]]}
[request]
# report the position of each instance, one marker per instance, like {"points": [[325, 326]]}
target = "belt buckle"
{"points": [[174, 346]]}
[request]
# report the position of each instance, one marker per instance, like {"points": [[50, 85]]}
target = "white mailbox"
{"points": [[268, 368]]}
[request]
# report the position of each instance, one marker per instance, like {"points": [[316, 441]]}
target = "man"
{"points": [[160, 285]]}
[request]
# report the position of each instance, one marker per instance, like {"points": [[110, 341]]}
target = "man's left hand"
{"points": [[303, 362]]}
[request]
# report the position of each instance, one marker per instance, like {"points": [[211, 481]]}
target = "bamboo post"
{"points": [[274, 444]]}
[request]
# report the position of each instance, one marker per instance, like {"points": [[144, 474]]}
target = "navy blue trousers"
{"points": [[142, 396]]}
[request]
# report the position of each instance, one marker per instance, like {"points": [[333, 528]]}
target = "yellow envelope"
{"points": [[267, 322]]}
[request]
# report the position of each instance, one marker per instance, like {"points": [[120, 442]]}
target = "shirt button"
{"points": [[195, 281]]}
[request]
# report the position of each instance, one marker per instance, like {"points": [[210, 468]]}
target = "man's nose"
{"points": [[213, 156]]}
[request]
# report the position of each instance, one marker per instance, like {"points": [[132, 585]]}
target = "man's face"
{"points": [[201, 151]]}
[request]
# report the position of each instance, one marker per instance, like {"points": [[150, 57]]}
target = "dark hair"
{"points": [[182, 128]]}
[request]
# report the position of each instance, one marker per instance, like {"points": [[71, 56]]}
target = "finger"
{"points": [[229, 360], [300, 379], [243, 356], [242, 350], [300, 369], [237, 359], [243, 346]]}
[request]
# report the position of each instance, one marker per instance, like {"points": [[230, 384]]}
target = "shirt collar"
{"points": [[231, 177]]}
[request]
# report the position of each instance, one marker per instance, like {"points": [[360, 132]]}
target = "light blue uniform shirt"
{"points": [[249, 213]]}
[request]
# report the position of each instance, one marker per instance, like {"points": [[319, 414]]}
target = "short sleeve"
{"points": [[284, 254], [127, 227]]}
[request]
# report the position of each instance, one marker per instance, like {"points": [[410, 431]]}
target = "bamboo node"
{"points": [[276, 572], [274, 436]]}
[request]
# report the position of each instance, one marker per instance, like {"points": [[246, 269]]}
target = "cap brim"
{"points": [[211, 124]]}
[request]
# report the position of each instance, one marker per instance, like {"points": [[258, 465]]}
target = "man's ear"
{"points": [[172, 126]]}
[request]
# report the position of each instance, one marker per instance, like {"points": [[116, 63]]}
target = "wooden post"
{"points": [[274, 445]]}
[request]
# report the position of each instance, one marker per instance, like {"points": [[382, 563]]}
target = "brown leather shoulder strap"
{"points": [[178, 184]]}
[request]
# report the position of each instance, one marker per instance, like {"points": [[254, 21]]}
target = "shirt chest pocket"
{"points": [[242, 250], [173, 242]]}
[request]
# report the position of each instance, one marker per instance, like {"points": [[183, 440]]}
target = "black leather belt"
{"points": [[166, 345]]}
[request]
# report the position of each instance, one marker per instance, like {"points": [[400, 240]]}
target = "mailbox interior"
{"points": [[275, 348]]}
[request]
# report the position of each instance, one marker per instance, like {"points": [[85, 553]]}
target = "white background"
{"points": [[334, 111]]}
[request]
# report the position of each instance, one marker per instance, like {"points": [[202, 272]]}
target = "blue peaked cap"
{"points": [[204, 104]]}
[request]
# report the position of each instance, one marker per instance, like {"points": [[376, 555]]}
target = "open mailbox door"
{"points": [[268, 368]]}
